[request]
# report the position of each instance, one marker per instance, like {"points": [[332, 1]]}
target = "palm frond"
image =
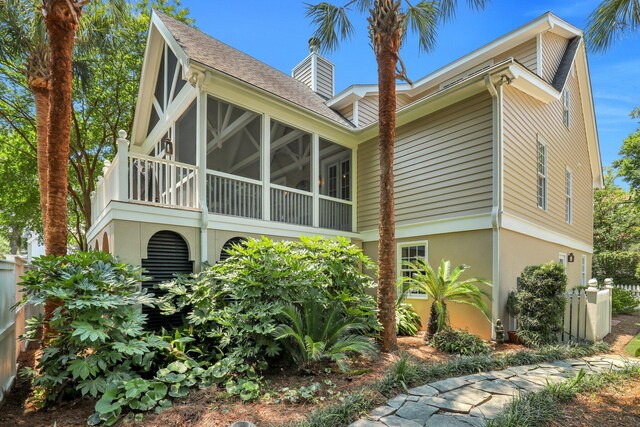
{"points": [[610, 21], [422, 20], [331, 24], [448, 7]]}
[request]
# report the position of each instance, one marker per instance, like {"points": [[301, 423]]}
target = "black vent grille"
{"points": [[167, 255]]}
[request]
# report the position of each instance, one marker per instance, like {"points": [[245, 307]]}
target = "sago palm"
{"points": [[315, 334], [444, 287], [610, 20], [389, 21]]}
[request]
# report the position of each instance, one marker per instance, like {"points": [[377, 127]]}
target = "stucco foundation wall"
{"points": [[518, 251], [473, 248]]}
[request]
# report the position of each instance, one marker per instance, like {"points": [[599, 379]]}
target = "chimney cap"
{"points": [[314, 45]]}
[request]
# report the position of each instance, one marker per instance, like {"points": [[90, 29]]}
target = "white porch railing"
{"points": [[336, 214], [162, 182], [291, 205], [233, 195]]}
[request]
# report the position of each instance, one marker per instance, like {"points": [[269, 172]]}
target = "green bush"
{"points": [[621, 266], [408, 321], [623, 301], [234, 307], [541, 303], [455, 341], [315, 334]]}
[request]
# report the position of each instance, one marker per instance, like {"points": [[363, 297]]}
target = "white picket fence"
{"points": [[634, 289], [12, 323], [587, 314]]}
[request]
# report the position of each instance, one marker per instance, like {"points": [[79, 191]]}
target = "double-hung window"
{"points": [[568, 184], [411, 252], [542, 174]]}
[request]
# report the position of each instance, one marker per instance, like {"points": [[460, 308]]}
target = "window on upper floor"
{"points": [[542, 174], [335, 170], [566, 104], [568, 184], [410, 253]]}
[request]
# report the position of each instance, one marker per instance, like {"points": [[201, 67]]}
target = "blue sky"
{"points": [[277, 31]]}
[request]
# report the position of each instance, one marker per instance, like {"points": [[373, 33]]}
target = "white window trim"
{"points": [[563, 256], [545, 201], [568, 196], [399, 247], [583, 270], [566, 108]]}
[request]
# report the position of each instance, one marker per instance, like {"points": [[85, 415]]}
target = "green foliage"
{"points": [[317, 333], [621, 266], [455, 341], [511, 306], [408, 321], [235, 306], [623, 301], [541, 303], [445, 286], [629, 164], [610, 21]]}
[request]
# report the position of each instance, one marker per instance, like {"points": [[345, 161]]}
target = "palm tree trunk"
{"points": [[432, 325], [387, 45], [41, 94], [61, 21]]}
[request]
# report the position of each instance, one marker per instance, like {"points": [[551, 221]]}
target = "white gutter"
{"points": [[495, 90]]}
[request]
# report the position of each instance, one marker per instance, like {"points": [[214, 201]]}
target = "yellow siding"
{"points": [[526, 54], [443, 166], [347, 112], [367, 110], [553, 47], [524, 118]]}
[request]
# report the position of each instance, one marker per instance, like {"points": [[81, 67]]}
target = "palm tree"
{"points": [[610, 20], [389, 24], [443, 287], [24, 50]]}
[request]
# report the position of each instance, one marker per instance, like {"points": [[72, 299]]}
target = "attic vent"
{"points": [[469, 73], [316, 72]]}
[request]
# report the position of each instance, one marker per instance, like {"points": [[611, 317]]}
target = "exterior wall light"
{"points": [[571, 258]]}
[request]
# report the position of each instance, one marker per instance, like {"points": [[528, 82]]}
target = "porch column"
{"points": [[123, 167], [201, 161], [265, 167], [315, 178]]}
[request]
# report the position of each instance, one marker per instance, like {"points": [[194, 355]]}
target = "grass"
{"points": [[536, 409], [633, 346], [409, 372]]}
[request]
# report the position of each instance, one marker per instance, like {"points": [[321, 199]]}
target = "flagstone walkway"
{"points": [[469, 400]]}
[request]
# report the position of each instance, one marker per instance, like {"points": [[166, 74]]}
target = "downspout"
{"points": [[495, 90]]}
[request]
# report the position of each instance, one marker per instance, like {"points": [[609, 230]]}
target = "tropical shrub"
{"points": [[314, 333], [621, 266], [443, 287], [234, 307], [623, 301], [541, 303], [455, 341], [408, 321], [99, 330]]}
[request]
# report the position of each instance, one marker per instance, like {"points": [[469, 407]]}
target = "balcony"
{"points": [[156, 181]]}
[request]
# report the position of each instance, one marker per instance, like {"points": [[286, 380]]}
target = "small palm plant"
{"points": [[445, 286], [314, 334], [407, 319]]}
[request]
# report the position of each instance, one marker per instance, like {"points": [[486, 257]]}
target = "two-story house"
{"points": [[496, 159]]}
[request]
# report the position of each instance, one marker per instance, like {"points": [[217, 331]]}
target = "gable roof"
{"points": [[212, 53]]}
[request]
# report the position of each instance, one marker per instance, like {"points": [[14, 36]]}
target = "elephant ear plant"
{"points": [[444, 287]]}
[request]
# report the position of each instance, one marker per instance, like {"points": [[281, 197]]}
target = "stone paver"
{"points": [[469, 400]]}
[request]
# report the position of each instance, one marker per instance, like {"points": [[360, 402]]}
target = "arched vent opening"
{"points": [[224, 253], [167, 256]]}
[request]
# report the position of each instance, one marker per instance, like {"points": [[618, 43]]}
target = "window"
{"points": [[542, 175], [562, 259], [568, 195], [566, 102], [583, 271], [411, 252], [335, 170]]}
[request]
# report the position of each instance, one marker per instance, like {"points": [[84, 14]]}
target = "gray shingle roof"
{"points": [[221, 57], [562, 73]]}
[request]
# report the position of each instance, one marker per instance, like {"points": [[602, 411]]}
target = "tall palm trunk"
{"points": [[41, 93], [386, 26], [61, 20]]}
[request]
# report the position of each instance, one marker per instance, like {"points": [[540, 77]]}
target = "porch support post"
{"points": [[265, 167], [201, 161], [123, 167], [315, 178]]}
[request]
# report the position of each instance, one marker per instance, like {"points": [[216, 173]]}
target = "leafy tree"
{"points": [[443, 287], [615, 219], [629, 164], [610, 20], [388, 25]]}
